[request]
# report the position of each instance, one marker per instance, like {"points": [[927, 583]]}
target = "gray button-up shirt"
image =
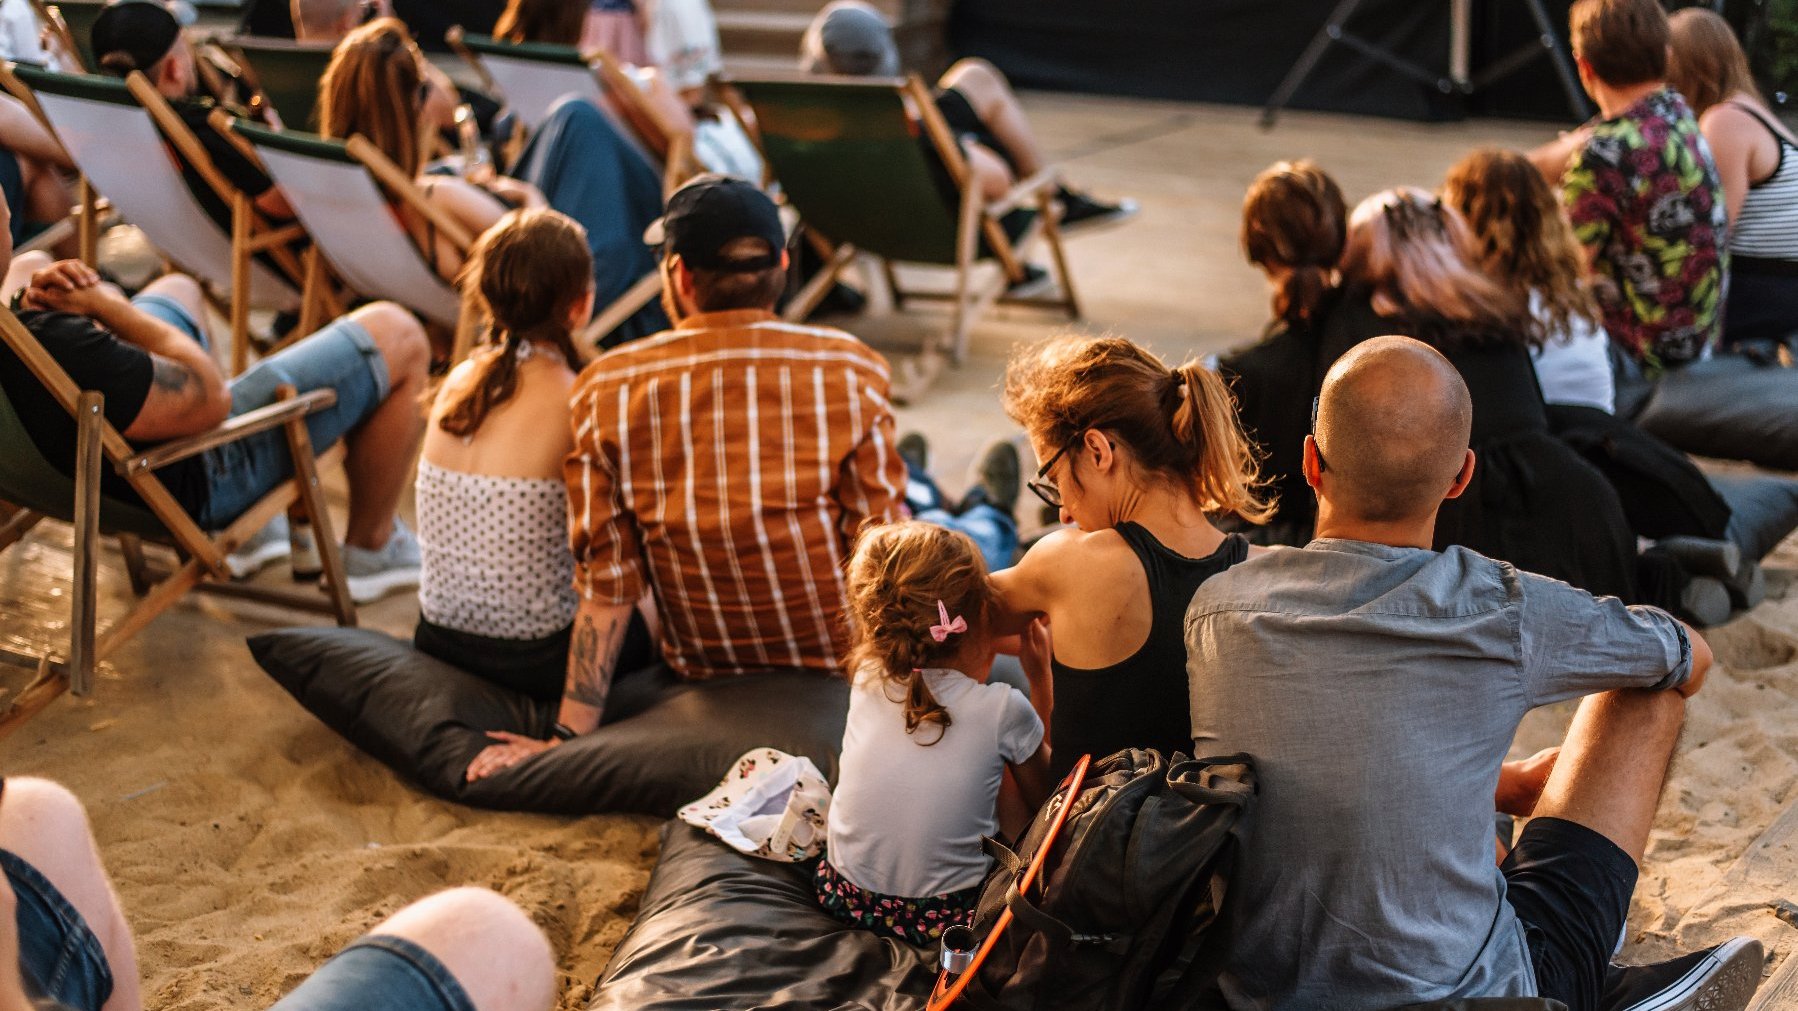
{"points": [[1378, 689]]}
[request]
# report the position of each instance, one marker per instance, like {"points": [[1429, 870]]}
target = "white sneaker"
{"points": [[375, 574], [262, 549]]}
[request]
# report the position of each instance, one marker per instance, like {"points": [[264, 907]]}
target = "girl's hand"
{"points": [[517, 192]]}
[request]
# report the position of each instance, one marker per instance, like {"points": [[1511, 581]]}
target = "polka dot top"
{"points": [[496, 558]]}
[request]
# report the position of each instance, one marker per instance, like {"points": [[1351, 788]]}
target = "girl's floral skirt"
{"points": [[918, 921]]}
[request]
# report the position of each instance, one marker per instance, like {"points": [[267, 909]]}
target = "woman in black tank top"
{"points": [[1137, 457]]}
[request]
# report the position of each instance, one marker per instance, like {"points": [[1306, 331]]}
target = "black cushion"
{"points": [[665, 742], [1763, 510], [717, 929], [1730, 408]]}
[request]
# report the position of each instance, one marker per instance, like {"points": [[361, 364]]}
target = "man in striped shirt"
{"points": [[724, 466]]}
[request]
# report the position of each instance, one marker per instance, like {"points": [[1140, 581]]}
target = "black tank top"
{"points": [[1140, 701]]}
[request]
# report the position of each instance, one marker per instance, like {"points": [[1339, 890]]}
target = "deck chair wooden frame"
{"points": [[605, 79], [793, 142], [281, 151], [247, 281], [267, 64], [73, 46], [44, 492]]}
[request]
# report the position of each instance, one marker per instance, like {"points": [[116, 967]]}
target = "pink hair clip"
{"points": [[947, 628]]}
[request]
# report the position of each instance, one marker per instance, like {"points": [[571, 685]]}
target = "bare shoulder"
{"points": [[1070, 556]]}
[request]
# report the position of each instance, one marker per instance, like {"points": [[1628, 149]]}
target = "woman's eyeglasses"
{"points": [[1045, 489]]}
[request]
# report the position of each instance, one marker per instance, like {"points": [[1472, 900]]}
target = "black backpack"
{"points": [[1131, 883]]}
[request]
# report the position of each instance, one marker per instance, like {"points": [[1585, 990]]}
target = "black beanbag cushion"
{"points": [[717, 929], [1729, 408], [665, 742], [1763, 510]]}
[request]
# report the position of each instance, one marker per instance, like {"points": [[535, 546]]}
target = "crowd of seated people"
{"points": [[725, 494]]}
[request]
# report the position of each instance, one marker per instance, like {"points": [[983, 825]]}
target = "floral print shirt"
{"points": [[1644, 196]]}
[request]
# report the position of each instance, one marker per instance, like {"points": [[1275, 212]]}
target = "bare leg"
{"points": [[987, 90], [379, 461], [47, 199], [992, 177], [44, 824], [492, 948], [1614, 763], [22, 134]]}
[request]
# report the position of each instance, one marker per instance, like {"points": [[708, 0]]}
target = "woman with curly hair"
{"points": [[1524, 241]]}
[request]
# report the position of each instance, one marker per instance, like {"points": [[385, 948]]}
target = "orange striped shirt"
{"points": [[726, 465]]}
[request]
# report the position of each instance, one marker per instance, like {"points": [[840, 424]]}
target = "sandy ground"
{"points": [[248, 843]]}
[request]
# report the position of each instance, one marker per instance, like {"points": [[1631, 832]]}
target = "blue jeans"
{"points": [[62, 959], [341, 357], [993, 530]]}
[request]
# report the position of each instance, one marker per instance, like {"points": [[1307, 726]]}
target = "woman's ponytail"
{"points": [[1297, 298], [1222, 458]]}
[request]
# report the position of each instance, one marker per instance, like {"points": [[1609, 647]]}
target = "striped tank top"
{"points": [[1767, 227]]}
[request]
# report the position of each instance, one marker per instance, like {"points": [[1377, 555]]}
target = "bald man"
{"points": [[1379, 684]]}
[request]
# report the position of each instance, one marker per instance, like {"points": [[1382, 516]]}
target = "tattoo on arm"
{"points": [[173, 377], [592, 655]]}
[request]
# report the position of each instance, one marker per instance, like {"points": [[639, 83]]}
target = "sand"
{"points": [[248, 843]]}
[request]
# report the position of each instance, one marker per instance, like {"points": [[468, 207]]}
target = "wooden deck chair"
{"points": [[73, 23], [285, 72], [114, 131], [39, 490], [339, 189], [532, 76], [847, 154]]}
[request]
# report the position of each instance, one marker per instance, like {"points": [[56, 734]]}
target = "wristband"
{"points": [[561, 732]]}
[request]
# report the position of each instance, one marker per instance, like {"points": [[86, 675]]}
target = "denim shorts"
{"points": [[58, 952], [379, 972], [340, 357]]}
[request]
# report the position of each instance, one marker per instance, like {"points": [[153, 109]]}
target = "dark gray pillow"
{"points": [[665, 742], [1763, 509], [1730, 408], [717, 929]]}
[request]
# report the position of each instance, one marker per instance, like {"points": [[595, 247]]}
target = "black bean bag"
{"points": [[664, 743], [1763, 510], [1727, 407], [717, 929]]}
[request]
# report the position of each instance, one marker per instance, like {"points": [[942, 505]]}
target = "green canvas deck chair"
{"points": [[344, 193], [36, 489], [284, 72], [114, 131], [847, 154]]}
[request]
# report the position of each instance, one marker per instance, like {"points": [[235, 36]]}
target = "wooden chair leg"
{"points": [[136, 566], [89, 415], [311, 297], [17, 525], [808, 297], [967, 238], [87, 237], [1052, 235], [312, 493], [46, 686], [241, 214], [892, 278]]}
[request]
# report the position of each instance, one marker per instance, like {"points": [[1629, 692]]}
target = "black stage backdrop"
{"points": [[429, 18], [1237, 51]]}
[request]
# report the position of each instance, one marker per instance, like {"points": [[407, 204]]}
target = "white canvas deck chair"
{"points": [[847, 154], [339, 189], [110, 129], [34, 488]]}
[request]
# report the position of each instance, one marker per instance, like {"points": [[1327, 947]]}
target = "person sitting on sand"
{"points": [[496, 597], [724, 466], [929, 738], [1379, 683], [65, 945], [851, 38]]}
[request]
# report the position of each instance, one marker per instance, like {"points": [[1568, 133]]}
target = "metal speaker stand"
{"points": [[1458, 81]]}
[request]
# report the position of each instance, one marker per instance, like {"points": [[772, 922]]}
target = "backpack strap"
{"points": [[1003, 855], [1060, 936]]}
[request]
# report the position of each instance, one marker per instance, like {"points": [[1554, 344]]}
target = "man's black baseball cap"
{"points": [[712, 211], [133, 35]]}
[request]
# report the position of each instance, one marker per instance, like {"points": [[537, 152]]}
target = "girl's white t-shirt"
{"points": [[907, 816]]}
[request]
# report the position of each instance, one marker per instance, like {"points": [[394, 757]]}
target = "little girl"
{"points": [[928, 740]]}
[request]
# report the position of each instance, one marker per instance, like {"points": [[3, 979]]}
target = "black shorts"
{"points": [[966, 124], [1570, 887]]}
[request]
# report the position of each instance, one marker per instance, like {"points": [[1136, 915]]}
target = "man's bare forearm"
{"points": [[593, 650]]}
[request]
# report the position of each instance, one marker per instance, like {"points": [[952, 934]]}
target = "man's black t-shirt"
{"points": [[95, 359], [242, 173]]}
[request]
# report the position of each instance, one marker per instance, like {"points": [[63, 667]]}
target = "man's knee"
{"points": [[39, 808], [181, 288], [399, 337], [472, 914]]}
